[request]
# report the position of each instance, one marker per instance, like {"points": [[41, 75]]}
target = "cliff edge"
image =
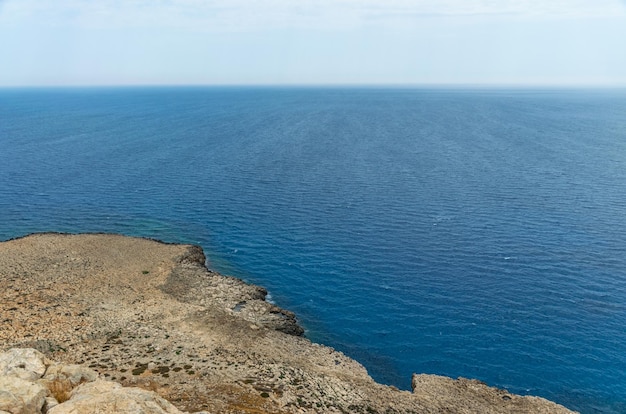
{"points": [[150, 315]]}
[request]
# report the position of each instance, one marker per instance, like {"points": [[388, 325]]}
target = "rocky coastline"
{"points": [[133, 316]]}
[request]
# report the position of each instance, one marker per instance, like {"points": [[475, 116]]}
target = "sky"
{"points": [[313, 42]]}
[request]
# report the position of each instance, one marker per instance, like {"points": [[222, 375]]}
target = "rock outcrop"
{"points": [[19, 396], [31, 384], [148, 317], [109, 397], [26, 364]]}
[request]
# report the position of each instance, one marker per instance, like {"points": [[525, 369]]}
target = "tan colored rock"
{"points": [[108, 397], [75, 374], [150, 315], [444, 392], [27, 364], [19, 396], [51, 402]]}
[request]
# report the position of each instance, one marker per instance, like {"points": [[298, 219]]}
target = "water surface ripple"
{"points": [[465, 233]]}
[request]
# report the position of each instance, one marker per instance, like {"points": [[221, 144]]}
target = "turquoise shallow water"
{"points": [[459, 232]]}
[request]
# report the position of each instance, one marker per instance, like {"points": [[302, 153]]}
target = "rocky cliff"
{"points": [[150, 316]]}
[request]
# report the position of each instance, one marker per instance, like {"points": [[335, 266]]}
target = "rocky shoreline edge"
{"points": [[148, 319]]}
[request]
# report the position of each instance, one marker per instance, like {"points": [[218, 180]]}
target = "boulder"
{"points": [[19, 396], [50, 402], [75, 374], [25, 363], [109, 397]]}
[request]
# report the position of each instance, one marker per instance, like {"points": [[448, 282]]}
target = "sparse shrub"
{"points": [[60, 389]]}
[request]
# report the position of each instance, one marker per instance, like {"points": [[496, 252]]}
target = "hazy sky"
{"points": [[106, 42]]}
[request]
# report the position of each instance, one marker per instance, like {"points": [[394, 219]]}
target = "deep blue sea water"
{"points": [[475, 233]]}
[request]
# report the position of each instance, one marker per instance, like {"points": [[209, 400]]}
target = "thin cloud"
{"points": [[255, 14]]}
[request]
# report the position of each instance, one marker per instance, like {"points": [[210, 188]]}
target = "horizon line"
{"points": [[437, 85]]}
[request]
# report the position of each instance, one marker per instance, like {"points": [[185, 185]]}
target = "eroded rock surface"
{"points": [[27, 364], [109, 397], [67, 389], [20, 396], [150, 315], [73, 374]]}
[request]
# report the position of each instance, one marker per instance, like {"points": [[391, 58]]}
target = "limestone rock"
{"points": [[50, 403], [75, 374], [151, 315], [25, 363], [477, 397], [19, 396], [108, 397]]}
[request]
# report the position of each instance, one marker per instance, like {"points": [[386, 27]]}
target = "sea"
{"points": [[465, 232]]}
